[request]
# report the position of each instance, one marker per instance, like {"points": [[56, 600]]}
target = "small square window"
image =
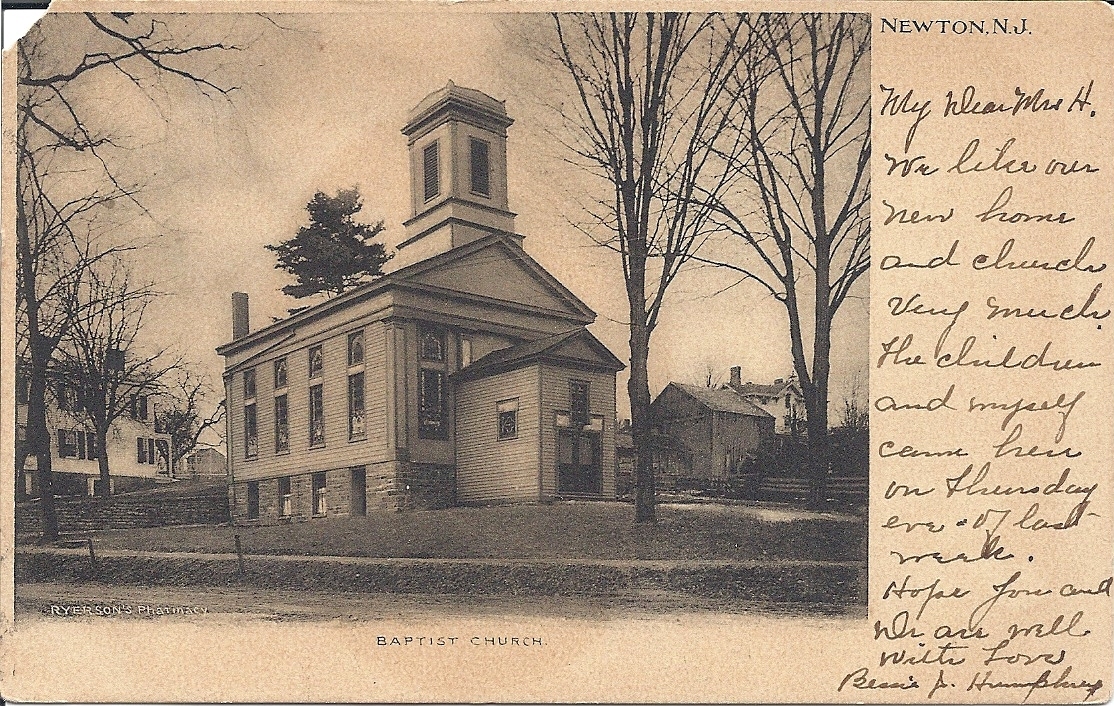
{"points": [[316, 362], [280, 373], [356, 348], [507, 412]]}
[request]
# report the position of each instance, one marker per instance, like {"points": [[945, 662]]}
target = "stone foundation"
{"points": [[391, 486]]}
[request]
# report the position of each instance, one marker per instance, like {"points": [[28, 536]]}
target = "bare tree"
{"points": [[651, 104], [855, 413], [799, 163], [708, 375], [63, 176], [180, 413], [101, 356]]}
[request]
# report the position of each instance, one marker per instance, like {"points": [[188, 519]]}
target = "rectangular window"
{"points": [[61, 395], [280, 373], [507, 412], [91, 445], [67, 443], [431, 404], [578, 402], [253, 500], [140, 450], [481, 168], [356, 348], [162, 454], [465, 352], [316, 362], [21, 432], [151, 458], [249, 384], [79, 444], [431, 172], [282, 425], [320, 506], [139, 408], [286, 502], [251, 432], [356, 428], [316, 417]]}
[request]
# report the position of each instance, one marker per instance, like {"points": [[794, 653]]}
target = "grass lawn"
{"points": [[559, 531]]}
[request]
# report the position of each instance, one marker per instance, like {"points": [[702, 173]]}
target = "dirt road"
{"points": [[66, 601]]}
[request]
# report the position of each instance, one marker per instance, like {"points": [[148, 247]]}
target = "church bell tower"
{"points": [[457, 140]]}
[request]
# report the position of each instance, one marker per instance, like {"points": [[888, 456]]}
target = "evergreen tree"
{"points": [[333, 253]]}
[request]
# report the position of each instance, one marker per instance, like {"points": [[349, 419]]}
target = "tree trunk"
{"points": [[638, 388], [818, 415], [39, 351], [104, 484], [38, 443]]}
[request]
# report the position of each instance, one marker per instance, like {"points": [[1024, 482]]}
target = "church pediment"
{"points": [[577, 349], [495, 268]]}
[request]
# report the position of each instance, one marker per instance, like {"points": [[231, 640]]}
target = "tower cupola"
{"points": [[457, 140]]}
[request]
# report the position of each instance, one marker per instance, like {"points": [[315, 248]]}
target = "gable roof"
{"points": [[577, 348], [499, 270], [721, 400], [751, 388], [421, 275]]}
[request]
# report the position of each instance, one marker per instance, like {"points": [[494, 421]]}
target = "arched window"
{"points": [[432, 346]]}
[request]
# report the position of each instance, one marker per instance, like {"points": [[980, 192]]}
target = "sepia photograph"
{"points": [[321, 316], [470, 352]]}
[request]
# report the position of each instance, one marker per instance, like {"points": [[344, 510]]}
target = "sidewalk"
{"points": [[794, 581]]}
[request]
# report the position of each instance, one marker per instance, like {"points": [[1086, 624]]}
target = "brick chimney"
{"points": [[240, 321], [736, 376]]}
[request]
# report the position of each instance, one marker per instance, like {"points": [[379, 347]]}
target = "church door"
{"points": [[579, 467]]}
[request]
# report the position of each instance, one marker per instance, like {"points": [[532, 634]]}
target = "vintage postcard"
{"points": [[558, 352]]}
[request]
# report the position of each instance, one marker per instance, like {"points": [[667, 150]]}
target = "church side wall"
{"points": [[338, 451], [489, 469]]}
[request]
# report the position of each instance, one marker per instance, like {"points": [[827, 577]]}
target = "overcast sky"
{"points": [[320, 106]]}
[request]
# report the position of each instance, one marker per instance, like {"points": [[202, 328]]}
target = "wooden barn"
{"points": [[706, 433], [468, 376]]}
